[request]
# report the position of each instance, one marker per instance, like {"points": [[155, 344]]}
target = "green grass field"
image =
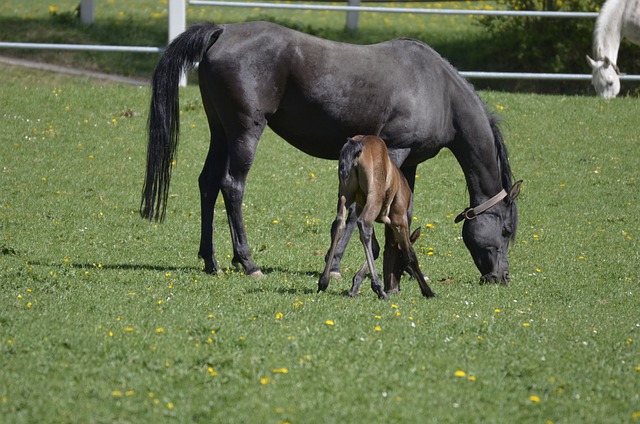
{"points": [[107, 318]]}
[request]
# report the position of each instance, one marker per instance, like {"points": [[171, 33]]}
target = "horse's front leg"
{"points": [[391, 263]]}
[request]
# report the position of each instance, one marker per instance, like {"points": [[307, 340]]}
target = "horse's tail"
{"points": [[348, 153], [164, 114]]}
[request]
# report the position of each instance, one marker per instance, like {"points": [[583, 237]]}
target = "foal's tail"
{"points": [[164, 114], [348, 153]]}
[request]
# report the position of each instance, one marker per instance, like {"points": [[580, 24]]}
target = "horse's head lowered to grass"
{"points": [[606, 79], [487, 231]]}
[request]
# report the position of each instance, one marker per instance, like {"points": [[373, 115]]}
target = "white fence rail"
{"points": [[177, 24], [352, 7]]}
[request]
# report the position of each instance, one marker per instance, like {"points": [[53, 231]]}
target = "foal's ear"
{"points": [[515, 190], [414, 236]]}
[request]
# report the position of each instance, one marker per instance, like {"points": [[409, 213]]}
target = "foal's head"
{"points": [[488, 234], [606, 79]]}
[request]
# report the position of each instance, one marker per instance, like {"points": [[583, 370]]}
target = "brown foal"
{"points": [[382, 194]]}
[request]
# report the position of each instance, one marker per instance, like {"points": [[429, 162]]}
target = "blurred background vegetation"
{"points": [[470, 43]]}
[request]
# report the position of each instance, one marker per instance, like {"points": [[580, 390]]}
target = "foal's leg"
{"points": [[417, 274], [365, 226], [337, 232], [343, 243], [359, 277], [401, 235]]}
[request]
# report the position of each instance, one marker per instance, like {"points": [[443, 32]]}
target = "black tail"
{"points": [[164, 114], [348, 153]]}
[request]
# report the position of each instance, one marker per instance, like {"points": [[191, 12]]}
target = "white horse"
{"points": [[618, 19]]}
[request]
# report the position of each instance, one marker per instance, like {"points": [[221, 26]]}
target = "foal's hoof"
{"points": [[257, 275]]}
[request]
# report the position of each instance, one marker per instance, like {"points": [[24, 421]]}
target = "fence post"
{"points": [[352, 17], [177, 25], [87, 11]]}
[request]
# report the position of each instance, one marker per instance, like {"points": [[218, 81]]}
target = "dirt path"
{"points": [[71, 71]]}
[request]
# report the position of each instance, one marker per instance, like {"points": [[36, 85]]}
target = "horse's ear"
{"points": [[414, 236], [515, 190], [591, 62]]}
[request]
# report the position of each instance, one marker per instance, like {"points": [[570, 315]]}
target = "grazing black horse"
{"points": [[315, 93]]}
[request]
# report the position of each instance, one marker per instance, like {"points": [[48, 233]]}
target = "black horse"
{"points": [[315, 93]]}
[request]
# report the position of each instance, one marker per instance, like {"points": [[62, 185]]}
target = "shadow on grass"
{"points": [[122, 267]]}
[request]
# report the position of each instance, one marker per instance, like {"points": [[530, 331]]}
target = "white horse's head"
{"points": [[605, 77]]}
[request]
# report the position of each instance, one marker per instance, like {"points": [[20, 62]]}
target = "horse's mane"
{"points": [[503, 154], [505, 167], [606, 34]]}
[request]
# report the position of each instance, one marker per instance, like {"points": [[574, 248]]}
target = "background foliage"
{"points": [[548, 45], [470, 43]]}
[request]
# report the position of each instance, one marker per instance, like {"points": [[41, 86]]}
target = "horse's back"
{"points": [[315, 93]]}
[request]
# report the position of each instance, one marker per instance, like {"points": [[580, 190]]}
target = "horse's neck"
{"points": [[631, 21], [607, 33]]}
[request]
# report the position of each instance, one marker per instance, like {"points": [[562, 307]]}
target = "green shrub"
{"points": [[556, 45]]}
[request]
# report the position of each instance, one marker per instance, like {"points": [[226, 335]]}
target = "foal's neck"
{"points": [[608, 29]]}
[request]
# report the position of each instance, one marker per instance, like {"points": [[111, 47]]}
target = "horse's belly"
{"points": [[317, 131]]}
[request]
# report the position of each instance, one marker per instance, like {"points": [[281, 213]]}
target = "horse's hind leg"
{"points": [[215, 167], [240, 158]]}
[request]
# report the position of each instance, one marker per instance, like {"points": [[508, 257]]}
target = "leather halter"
{"points": [[472, 213], [613, 65]]}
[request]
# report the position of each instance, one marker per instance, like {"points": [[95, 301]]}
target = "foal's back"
{"points": [[369, 178]]}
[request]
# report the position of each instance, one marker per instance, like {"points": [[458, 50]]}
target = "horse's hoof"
{"points": [[212, 271], [257, 275], [335, 275]]}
